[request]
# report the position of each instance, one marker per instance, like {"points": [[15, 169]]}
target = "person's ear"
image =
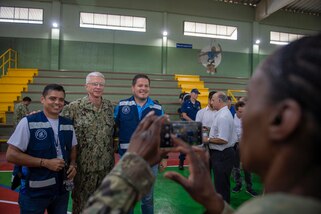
{"points": [[285, 119], [42, 98]]}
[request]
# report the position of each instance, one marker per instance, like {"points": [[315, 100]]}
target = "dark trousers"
{"points": [[237, 170], [222, 163], [182, 158]]}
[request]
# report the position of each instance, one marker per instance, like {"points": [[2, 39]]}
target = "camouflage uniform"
{"points": [[131, 179], [125, 184], [20, 111], [95, 152]]}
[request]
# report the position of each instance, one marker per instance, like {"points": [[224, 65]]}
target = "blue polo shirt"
{"points": [[191, 109]]}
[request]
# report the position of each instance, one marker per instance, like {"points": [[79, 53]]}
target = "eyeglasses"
{"points": [[96, 84]]}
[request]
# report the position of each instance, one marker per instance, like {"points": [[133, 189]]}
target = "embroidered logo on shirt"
{"points": [[125, 110], [41, 134]]}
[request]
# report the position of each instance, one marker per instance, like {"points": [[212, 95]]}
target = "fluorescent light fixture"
{"points": [[55, 24]]}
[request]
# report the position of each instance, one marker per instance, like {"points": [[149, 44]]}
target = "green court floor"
{"points": [[171, 198]]}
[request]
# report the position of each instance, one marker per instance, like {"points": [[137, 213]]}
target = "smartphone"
{"points": [[190, 132]]}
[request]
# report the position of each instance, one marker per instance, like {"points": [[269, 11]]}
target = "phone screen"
{"points": [[190, 132]]}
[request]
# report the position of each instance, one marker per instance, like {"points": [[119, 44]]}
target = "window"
{"points": [[114, 22], [280, 38], [210, 30], [21, 15]]}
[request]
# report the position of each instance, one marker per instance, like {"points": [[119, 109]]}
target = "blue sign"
{"points": [[182, 45]]}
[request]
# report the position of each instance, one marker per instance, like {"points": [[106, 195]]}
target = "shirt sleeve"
{"points": [[121, 188], [199, 116], [224, 129], [162, 112], [184, 107], [116, 110], [21, 135], [74, 138]]}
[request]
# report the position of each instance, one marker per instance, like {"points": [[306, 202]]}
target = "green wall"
{"points": [[32, 53], [75, 55], [86, 56]]}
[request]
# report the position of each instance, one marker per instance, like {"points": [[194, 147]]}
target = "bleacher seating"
{"points": [[11, 85], [164, 88]]}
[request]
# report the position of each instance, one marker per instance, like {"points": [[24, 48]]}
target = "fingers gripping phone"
{"points": [[190, 132]]}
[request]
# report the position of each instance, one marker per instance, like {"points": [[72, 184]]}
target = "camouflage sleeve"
{"points": [[67, 112], [130, 179], [17, 116]]}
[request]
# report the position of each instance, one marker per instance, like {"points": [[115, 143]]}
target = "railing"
{"points": [[8, 60], [230, 92]]}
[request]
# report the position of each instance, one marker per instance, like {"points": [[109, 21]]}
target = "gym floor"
{"points": [[169, 197]]}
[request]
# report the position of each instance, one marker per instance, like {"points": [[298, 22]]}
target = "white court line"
{"points": [[16, 203], [8, 202]]}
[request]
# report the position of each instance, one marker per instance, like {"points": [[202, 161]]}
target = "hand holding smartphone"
{"points": [[190, 132]]}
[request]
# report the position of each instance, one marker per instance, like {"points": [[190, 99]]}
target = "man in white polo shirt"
{"points": [[206, 115], [221, 141]]}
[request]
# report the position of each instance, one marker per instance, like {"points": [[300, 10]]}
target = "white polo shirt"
{"points": [[206, 116], [238, 128], [223, 128]]}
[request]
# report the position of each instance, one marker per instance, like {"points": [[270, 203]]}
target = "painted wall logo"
{"points": [[41, 134], [125, 110], [210, 57]]}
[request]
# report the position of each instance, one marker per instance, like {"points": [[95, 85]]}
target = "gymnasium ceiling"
{"points": [[264, 8]]}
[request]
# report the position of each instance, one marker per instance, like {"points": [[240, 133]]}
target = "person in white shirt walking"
{"points": [[239, 107]]}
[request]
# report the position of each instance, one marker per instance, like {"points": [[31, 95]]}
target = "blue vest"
{"points": [[127, 118], [40, 181]]}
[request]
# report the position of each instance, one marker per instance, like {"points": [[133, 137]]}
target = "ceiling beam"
{"points": [[267, 7]]}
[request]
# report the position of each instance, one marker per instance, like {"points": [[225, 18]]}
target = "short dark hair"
{"points": [[26, 99], [53, 87], [229, 98], [138, 76], [181, 95], [239, 104], [293, 72], [210, 95]]}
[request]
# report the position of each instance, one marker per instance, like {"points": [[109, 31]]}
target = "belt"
{"points": [[215, 150]]}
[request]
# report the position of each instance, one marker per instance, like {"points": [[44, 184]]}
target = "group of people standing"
{"points": [[222, 130], [75, 142], [280, 142]]}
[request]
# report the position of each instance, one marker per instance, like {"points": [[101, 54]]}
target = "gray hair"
{"points": [[94, 74], [222, 96]]}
